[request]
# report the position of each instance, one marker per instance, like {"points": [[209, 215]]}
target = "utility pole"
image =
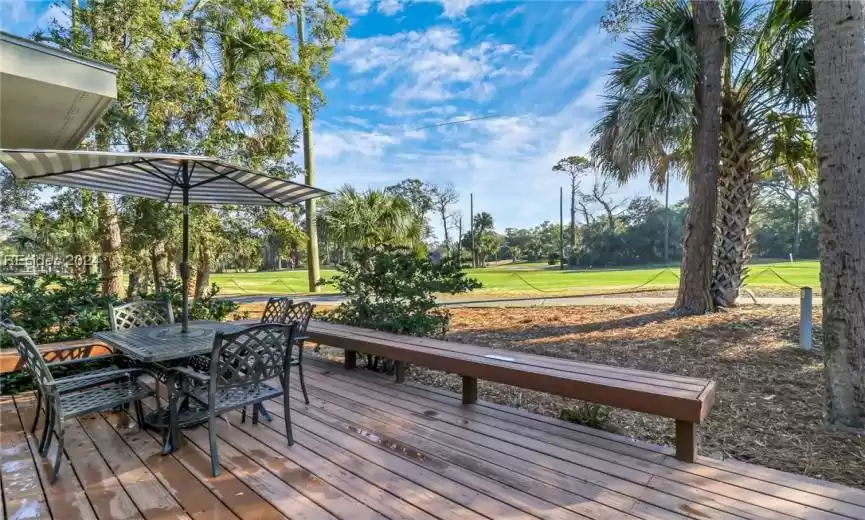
{"points": [[667, 221], [472, 225], [460, 242], [561, 228], [312, 268]]}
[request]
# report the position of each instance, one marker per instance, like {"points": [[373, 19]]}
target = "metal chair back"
{"points": [[33, 360], [144, 313], [247, 358], [274, 311], [300, 313]]}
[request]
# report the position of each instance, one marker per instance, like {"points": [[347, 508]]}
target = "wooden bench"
{"points": [[685, 399]]}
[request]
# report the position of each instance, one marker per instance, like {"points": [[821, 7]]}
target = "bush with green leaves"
{"points": [[207, 307], [53, 308], [393, 289]]}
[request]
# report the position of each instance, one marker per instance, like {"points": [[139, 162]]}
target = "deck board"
{"points": [[773, 497], [367, 448]]}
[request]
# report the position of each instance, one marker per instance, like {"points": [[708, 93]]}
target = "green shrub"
{"points": [[55, 308], [208, 307], [589, 414], [393, 289]]}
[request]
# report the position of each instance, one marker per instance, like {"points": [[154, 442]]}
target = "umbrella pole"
{"points": [[184, 267]]}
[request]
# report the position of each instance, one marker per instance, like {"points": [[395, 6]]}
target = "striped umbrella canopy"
{"points": [[179, 178]]}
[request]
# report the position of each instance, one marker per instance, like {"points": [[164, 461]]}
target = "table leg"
{"points": [[170, 436]]}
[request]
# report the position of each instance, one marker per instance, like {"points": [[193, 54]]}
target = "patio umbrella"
{"points": [[179, 178]]}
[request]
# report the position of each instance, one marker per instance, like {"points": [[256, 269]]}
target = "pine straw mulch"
{"points": [[769, 406]]}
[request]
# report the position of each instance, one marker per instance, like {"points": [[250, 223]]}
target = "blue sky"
{"points": [[534, 70]]}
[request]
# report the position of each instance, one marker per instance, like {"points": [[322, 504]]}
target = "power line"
{"points": [[458, 121]]}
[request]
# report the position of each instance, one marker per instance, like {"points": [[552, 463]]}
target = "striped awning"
{"points": [[156, 176]]}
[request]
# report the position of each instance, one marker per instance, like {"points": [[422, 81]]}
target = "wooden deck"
{"points": [[367, 448]]}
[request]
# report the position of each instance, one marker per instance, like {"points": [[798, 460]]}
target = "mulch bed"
{"points": [[769, 407]]}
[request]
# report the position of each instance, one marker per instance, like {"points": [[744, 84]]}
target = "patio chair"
{"points": [[275, 310], [61, 406], [283, 310], [94, 377], [241, 367], [300, 313], [144, 313]]}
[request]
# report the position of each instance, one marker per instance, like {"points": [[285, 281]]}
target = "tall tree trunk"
{"points": [[202, 274], [573, 236], [443, 213], [159, 264], [737, 189], [111, 264], [312, 266], [694, 285], [797, 224], [839, 48], [134, 284]]}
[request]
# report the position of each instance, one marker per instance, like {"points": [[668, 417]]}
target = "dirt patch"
{"points": [[769, 407]]}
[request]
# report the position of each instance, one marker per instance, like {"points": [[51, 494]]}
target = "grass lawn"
{"points": [[538, 279]]}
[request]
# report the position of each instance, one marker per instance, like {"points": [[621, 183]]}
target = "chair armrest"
{"points": [[56, 350], [118, 373], [194, 374], [301, 337]]}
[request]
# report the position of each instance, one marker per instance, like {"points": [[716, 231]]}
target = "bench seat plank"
{"points": [[687, 400], [687, 405]]}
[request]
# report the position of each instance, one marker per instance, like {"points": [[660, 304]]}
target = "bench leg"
{"points": [[399, 369], [470, 390], [686, 441], [350, 359]]}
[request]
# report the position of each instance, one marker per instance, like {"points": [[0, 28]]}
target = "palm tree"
{"points": [[649, 119], [355, 219], [839, 47]]}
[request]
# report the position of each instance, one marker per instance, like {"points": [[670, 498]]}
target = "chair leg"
{"points": [[58, 457], [243, 415], [286, 413], [38, 411], [255, 408], [47, 431], [214, 449], [263, 412], [139, 414], [302, 381]]}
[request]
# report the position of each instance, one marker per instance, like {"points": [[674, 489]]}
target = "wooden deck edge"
{"points": [[10, 360]]}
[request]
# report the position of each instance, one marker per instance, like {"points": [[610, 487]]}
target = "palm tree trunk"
{"points": [[737, 189], [839, 48], [111, 264], [696, 278]]}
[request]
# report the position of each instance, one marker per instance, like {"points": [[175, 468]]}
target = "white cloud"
{"points": [[15, 12], [455, 8], [335, 144], [452, 8], [430, 65], [61, 15], [358, 7], [389, 7], [414, 112]]}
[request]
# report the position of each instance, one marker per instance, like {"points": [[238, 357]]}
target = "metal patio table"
{"points": [[166, 346]]}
